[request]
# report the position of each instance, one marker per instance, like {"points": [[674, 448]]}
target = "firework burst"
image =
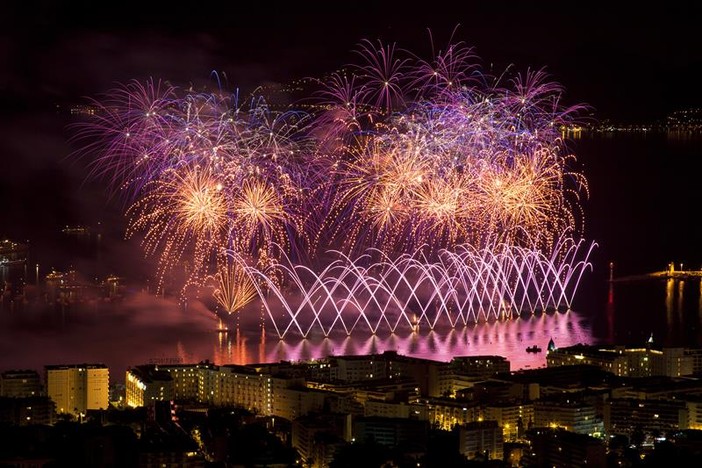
{"points": [[406, 162], [233, 288], [199, 172], [447, 155]]}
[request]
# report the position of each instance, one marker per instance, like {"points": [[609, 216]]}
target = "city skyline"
{"points": [[47, 190]]}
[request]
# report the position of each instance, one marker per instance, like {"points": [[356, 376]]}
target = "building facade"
{"points": [[78, 388], [20, 384], [481, 439], [147, 384]]}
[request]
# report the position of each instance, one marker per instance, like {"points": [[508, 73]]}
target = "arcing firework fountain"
{"points": [[418, 192]]}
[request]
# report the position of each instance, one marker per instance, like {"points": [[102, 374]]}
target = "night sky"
{"points": [[625, 60]]}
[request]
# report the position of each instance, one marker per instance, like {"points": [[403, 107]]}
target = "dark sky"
{"points": [[628, 60]]}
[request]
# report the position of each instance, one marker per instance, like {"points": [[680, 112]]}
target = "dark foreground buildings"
{"points": [[609, 407]]}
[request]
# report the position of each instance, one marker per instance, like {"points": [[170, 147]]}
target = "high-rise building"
{"points": [[628, 415], [26, 411], [427, 374], [147, 384], [571, 414], [558, 447], [76, 388], [409, 435], [192, 382], [481, 438], [20, 384], [625, 361], [315, 437], [512, 416], [479, 366], [251, 387], [445, 413]]}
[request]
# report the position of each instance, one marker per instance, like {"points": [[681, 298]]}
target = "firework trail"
{"points": [[464, 286], [431, 170], [437, 154], [199, 172]]}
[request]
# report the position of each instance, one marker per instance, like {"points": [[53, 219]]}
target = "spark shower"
{"points": [[398, 192]]}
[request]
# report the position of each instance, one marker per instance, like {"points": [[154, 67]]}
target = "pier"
{"points": [[669, 273]]}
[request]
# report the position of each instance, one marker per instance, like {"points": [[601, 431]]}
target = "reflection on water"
{"points": [[670, 310], [147, 329], [144, 329], [504, 338]]}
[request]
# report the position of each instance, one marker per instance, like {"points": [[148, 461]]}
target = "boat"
{"points": [[533, 349]]}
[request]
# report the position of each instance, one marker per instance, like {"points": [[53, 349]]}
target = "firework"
{"points": [[464, 286], [446, 155], [441, 193], [233, 287], [199, 172], [184, 212]]}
